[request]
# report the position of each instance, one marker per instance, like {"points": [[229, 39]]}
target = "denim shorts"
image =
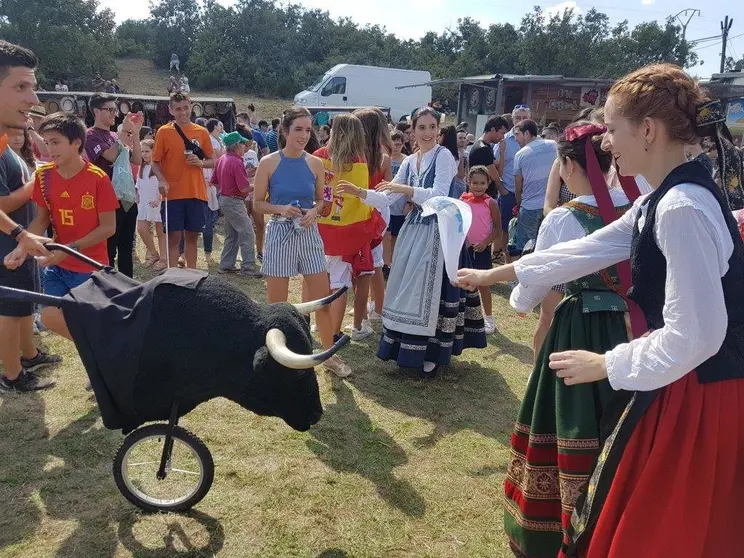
{"points": [[59, 282]]}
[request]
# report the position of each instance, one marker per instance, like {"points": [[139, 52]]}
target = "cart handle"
{"points": [[70, 252], [9, 293]]}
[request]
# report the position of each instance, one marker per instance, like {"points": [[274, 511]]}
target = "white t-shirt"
{"points": [[250, 159]]}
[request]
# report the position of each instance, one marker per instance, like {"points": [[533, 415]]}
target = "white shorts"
{"points": [[341, 272], [147, 213], [377, 256]]}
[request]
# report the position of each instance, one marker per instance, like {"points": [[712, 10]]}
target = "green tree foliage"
{"points": [[175, 24], [74, 39], [134, 38]]}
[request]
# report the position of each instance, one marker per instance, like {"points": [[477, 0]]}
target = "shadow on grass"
{"points": [[522, 353], [334, 553], [175, 533], [24, 436], [465, 396], [348, 441]]}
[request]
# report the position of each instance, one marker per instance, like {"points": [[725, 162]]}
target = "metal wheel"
{"points": [[188, 473]]}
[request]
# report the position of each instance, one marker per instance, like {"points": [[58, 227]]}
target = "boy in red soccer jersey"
{"points": [[78, 200]]}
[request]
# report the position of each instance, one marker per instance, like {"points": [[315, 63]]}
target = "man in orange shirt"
{"points": [[177, 162], [79, 201]]}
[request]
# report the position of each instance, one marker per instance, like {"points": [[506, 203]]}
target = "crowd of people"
{"points": [[620, 226]]}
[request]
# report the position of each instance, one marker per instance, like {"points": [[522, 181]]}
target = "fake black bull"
{"points": [[186, 338]]}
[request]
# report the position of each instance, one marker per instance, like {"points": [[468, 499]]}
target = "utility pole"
{"points": [[689, 13], [725, 28]]}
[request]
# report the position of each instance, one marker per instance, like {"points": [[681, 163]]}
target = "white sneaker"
{"points": [[362, 333], [374, 316], [490, 326], [337, 366]]}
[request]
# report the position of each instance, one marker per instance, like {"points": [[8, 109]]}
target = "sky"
{"points": [[413, 18]]}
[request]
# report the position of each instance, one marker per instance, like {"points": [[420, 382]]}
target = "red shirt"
{"points": [[97, 141], [230, 176], [74, 206]]}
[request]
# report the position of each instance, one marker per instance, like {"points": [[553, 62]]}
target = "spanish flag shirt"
{"points": [[74, 205], [351, 224]]}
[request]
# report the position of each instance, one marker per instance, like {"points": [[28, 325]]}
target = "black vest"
{"points": [[648, 267]]}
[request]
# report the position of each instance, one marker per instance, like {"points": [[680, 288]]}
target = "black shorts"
{"points": [[25, 278], [480, 260], [184, 215], [396, 222]]}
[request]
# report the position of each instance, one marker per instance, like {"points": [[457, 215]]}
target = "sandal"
{"points": [[337, 366], [159, 265], [151, 260]]}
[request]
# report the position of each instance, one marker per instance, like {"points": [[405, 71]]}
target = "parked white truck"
{"points": [[350, 85]]}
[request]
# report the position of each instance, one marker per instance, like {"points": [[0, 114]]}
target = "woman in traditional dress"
{"points": [[426, 320], [668, 481], [556, 437]]}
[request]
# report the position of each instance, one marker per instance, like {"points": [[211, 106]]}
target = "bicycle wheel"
{"points": [[189, 470]]}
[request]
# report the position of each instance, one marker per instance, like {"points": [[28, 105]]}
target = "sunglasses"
{"points": [[110, 110]]}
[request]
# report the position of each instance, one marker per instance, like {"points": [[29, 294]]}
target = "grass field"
{"points": [[397, 467]]}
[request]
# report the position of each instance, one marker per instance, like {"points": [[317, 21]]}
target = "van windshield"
{"points": [[318, 82]]}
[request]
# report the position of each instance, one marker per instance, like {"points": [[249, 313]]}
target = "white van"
{"points": [[366, 86]]}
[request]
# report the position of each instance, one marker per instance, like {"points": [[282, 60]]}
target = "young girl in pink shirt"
{"points": [[484, 230]]}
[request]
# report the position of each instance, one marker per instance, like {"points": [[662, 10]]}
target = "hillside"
{"points": [[139, 76]]}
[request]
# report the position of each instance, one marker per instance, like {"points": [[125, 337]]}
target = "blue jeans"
{"points": [[528, 223], [59, 282], [210, 220]]}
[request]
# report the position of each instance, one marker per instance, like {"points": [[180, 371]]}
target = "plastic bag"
{"points": [[454, 218], [123, 180]]}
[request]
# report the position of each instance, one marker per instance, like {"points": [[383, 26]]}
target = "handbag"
{"points": [[190, 145], [123, 180]]}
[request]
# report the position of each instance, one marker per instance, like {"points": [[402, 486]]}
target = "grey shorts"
{"points": [[288, 253]]}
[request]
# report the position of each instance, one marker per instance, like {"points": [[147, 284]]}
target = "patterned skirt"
{"points": [[459, 326], [669, 480], [556, 438]]}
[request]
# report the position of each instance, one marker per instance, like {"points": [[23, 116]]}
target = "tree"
{"points": [[134, 38], [73, 39], [175, 25]]}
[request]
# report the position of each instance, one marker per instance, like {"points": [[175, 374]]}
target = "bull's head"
{"points": [[284, 382]]}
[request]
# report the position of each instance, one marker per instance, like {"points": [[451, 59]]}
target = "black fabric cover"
{"points": [[108, 317], [186, 338]]}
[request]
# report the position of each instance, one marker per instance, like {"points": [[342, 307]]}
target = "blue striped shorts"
{"points": [[288, 253]]}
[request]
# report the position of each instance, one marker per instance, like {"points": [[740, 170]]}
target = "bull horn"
{"points": [[276, 343], [315, 305]]}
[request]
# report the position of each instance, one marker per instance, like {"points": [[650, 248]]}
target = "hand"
{"points": [[481, 246], [33, 244], [154, 203], [578, 367], [503, 191], [163, 188], [515, 211], [52, 259], [15, 259], [290, 211], [346, 187], [394, 188], [29, 123], [193, 160], [137, 119], [309, 217], [127, 125], [471, 279]]}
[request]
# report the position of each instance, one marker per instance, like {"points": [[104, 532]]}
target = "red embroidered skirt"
{"points": [[678, 490]]}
